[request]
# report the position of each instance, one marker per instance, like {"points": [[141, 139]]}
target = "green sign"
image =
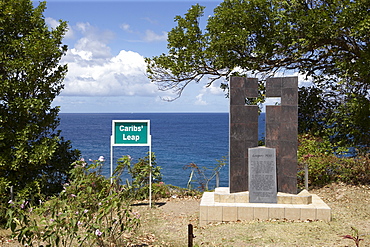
{"points": [[131, 133]]}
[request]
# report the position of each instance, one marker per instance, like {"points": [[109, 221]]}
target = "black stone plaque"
{"points": [[262, 175]]}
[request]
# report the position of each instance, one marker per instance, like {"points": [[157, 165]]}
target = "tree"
{"points": [[327, 40], [32, 154]]}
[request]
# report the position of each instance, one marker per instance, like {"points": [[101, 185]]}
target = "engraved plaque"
{"points": [[262, 175]]}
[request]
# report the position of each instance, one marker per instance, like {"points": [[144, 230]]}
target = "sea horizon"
{"points": [[178, 139]]}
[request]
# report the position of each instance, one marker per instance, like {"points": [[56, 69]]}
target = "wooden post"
{"points": [[190, 235]]}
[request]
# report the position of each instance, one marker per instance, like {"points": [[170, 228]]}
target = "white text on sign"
{"points": [[130, 137], [132, 128]]}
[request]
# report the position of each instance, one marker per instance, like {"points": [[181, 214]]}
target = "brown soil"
{"points": [[167, 224]]}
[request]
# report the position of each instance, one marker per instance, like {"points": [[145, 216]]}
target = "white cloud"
{"points": [[151, 21], [92, 47], [126, 27], [54, 23], [123, 74], [93, 71], [303, 80], [96, 48], [200, 100], [92, 32], [83, 27], [51, 22], [214, 88], [151, 36]]}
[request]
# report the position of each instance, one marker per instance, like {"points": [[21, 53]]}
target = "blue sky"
{"points": [[107, 43]]}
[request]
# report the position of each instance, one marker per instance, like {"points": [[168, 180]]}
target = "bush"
{"points": [[356, 170], [325, 166], [138, 185], [199, 174], [90, 210]]}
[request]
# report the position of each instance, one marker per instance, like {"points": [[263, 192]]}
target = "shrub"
{"points": [[4, 198], [160, 190], [138, 185], [90, 210], [325, 166], [198, 174], [356, 170]]}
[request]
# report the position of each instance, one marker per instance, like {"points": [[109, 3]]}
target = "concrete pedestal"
{"points": [[223, 206]]}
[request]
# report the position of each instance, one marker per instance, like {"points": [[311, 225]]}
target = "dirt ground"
{"points": [[167, 224]]}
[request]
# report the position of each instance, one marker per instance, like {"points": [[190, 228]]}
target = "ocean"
{"points": [[178, 139]]}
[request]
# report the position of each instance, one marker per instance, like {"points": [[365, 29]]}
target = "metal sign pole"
{"points": [[150, 171], [111, 159], [132, 133]]}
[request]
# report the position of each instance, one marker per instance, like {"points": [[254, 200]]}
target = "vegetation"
{"points": [[199, 175], [325, 40], [33, 156], [325, 166], [166, 225], [61, 203], [138, 185], [355, 237], [90, 210]]}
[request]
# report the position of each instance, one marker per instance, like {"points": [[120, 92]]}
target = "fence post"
{"points": [[190, 235]]}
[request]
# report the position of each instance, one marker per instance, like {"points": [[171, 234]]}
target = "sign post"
{"points": [[132, 133]]}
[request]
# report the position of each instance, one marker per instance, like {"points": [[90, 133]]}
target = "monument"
{"points": [[281, 130], [262, 180]]}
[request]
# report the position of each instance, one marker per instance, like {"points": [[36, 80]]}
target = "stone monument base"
{"points": [[223, 206]]}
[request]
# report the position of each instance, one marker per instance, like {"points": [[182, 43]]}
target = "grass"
{"points": [[166, 224], [350, 208]]}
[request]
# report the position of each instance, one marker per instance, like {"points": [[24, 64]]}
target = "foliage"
{"points": [[33, 158], [325, 166], [4, 198], [318, 38], [198, 174], [354, 236], [90, 210], [160, 190], [56, 171], [326, 40], [344, 119], [355, 170], [349, 122], [309, 121], [320, 158], [138, 185]]}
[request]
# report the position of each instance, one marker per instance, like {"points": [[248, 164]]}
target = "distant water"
{"points": [[177, 140]]}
